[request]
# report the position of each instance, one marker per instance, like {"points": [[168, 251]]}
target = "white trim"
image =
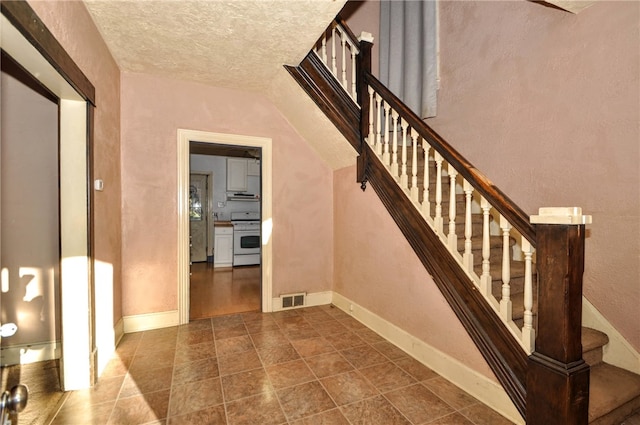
{"points": [[145, 322], [184, 137], [30, 353], [74, 272], [118, 331], [618, 351], [311, 300], [479, 386]]}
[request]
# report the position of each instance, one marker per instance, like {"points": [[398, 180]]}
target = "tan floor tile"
{"points": [[197, 336], [304, 400], [374, 410], [344, 340], [289, 374], [271, 338], [227, 321], [190, 353], [140, 409], [415, 368], [152, 360], [210, 416], [83, 415], [258, 326], [106, 390], [263, 409], [452, 419], [389, 350], [328, 364], [480, 414], [146, 381], [234, 345], [453, 395], [419, 404], [231, 331], [363, 356], [240, 362], [195, 371], [195, 325], [348, 387], [195, 396], [245, 384], [330, 417], [387, 376], [312, 346], [279, 354]]}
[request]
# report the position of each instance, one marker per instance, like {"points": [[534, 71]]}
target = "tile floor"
{"points": [[308, 366]]}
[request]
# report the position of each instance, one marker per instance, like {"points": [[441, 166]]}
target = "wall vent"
{"points": [[293, 300]]}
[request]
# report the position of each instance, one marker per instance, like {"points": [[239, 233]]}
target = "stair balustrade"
{"points": [[483, 252]]}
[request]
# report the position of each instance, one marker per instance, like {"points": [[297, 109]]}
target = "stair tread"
{"points": [[592, 339], [611, 387]]}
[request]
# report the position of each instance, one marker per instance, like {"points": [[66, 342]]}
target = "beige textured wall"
{"points": [[153, 108], [547, 105], [72, 26], [377, 268]]}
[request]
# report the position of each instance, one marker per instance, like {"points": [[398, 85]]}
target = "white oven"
{"points": [[246, 238]]}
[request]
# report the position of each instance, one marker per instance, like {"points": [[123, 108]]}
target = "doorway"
{"points": [[22, 32], [184, 168], [224, 205]]}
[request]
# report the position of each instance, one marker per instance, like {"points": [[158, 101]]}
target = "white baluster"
{"points": [[354, 92], [343, 64], [414, 166], [505, 301], [334, 68], [323, 50], [467, 257], [378, 125], [394, 146], [453, 238], [528, 332], [385, 155], [437, 220], [485, 279], [426, 207], [370, 138], [403, 175]]}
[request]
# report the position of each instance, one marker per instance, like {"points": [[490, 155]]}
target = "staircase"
{"points": [[478, 245]]}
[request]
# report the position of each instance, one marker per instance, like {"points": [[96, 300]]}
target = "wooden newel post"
{"points": [[558, 377], [363, 68]]}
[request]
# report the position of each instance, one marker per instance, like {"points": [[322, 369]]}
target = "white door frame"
{"points": [[74, 224], [184, 137]]}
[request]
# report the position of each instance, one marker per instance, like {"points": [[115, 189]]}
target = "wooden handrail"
{"points": [[518, 218]]}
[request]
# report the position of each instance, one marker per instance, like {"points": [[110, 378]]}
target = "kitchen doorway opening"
{"points": [[229, 203], [224, 229]]}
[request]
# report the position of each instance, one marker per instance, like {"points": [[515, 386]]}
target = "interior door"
{"points": [[198, 216]]}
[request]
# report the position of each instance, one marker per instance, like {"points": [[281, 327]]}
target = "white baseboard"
{"points": [[145, 322], [30, 353], [118, 331], [312, 299], [618, 351], [474, 383]]}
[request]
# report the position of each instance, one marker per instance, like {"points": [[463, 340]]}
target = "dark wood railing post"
{"points": [[363, 67], [558, 377]]}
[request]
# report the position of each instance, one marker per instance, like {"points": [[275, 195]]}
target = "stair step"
{"points": [[614, 394], [592, 343]]}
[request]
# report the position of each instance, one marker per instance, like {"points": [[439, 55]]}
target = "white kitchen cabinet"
{"points": [[223, 247], [236, 174], [253, 167]]}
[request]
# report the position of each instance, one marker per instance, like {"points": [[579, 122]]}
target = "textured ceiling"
{"points": [[226, 43], [238, 44]]}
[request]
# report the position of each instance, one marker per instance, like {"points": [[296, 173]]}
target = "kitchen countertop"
{"points": [[222, 224]]}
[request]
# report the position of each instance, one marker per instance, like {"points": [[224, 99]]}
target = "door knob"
{"points": [[13, 402]]}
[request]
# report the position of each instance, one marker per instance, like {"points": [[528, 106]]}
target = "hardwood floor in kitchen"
{"points": [[219, 291]]}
